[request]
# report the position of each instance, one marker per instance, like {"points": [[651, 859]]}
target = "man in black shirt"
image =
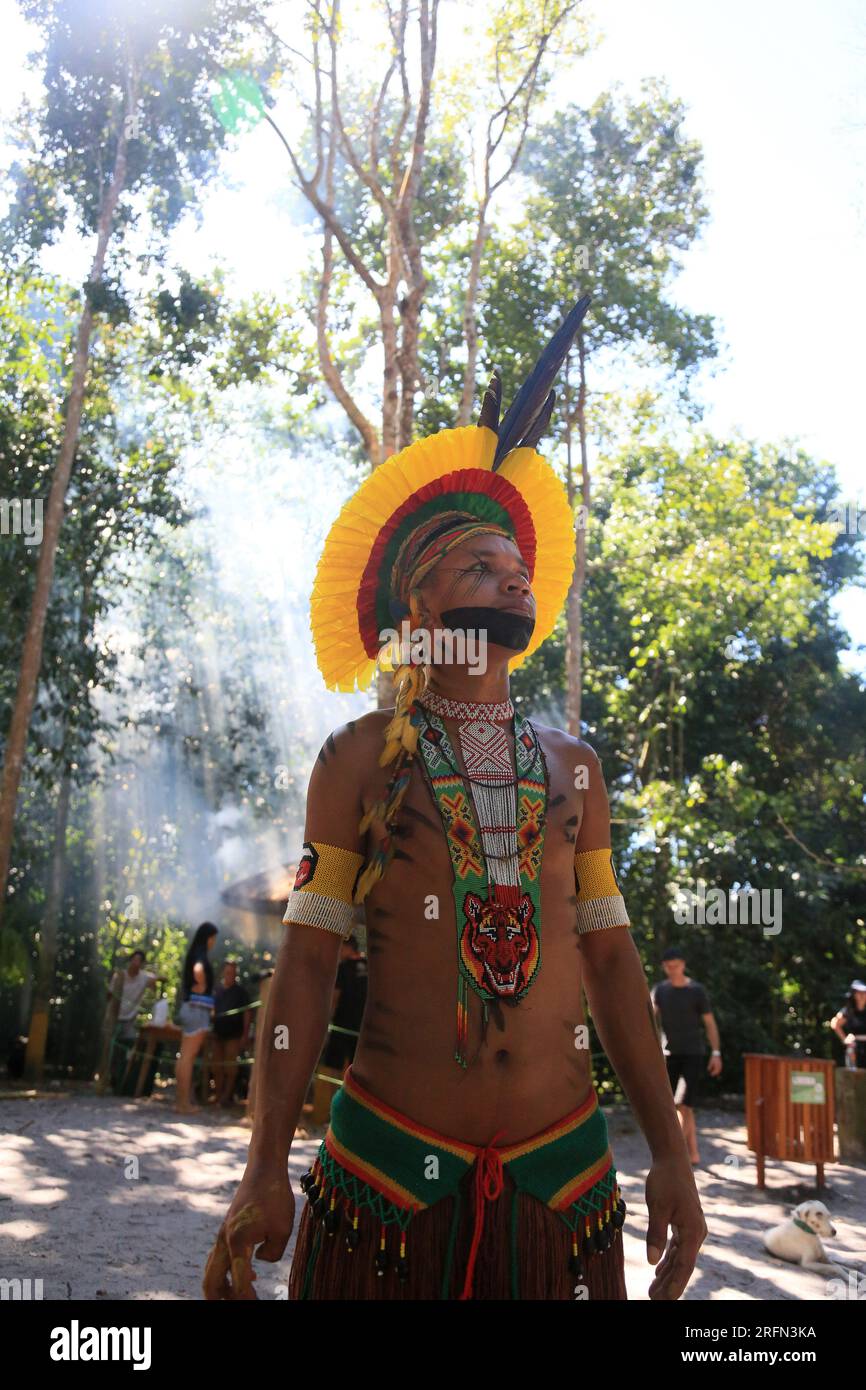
{"points": [[683, 1010], [347, 1005], [230, 1034]]}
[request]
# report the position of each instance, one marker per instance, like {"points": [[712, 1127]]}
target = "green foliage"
{"points": [[731, 736], [611, 199], [14, 961], [168, 55], [621, 180]]}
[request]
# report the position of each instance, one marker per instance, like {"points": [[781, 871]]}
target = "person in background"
{"points": [[129, 986], [683, 1009], [231, 1034], [849, 1024], [347, 1004], [195, 1011], [126, 989]]}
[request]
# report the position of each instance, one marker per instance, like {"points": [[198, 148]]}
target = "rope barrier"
{"points": [[200, 1062]]}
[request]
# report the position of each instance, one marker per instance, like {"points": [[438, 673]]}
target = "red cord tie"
{"points": [[488, 1187]]}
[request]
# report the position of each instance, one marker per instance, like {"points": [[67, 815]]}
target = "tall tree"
{"points": [[365, 175], [120, 493], [125, 112], [614, 199]]}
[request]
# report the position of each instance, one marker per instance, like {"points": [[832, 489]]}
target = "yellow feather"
{"points": [[376, 812], [389, 752], [366, 881]]}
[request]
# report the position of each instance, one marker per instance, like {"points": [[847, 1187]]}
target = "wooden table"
{"points": [[145, 1046]]}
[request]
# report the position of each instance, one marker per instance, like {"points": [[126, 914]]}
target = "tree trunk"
{"points": [[661, 876], [39, 1012], [31, 655], [574, 610], [470, 320], [390, 380], [410, 312], [37, 1033]]}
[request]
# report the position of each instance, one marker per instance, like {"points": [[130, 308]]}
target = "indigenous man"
{"points": [[467, 1156]]}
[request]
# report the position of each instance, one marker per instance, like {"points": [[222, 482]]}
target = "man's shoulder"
{"points": [[357, 739], [561, 739]]}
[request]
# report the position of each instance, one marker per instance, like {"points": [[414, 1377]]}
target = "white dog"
{"points": [[798, 1240]]}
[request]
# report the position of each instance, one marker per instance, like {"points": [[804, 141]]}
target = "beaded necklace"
{"points": [[495, 836]]}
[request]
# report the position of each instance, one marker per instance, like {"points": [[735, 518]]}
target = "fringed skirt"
{"points": [[395, 1210]]}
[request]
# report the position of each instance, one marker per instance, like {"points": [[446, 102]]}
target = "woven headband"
{"points": [[427, 545]]}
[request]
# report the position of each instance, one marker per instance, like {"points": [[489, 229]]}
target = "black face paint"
{"points": [[511, 630]]}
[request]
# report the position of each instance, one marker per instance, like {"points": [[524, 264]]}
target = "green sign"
{"points": [[238, 105], [807, 1088]]}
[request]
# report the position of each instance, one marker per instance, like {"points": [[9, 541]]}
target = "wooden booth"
{"points": [[851, 1114], [790, 1110]]}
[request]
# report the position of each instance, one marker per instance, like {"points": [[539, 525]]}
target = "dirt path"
{"points": [[104, 1198]]}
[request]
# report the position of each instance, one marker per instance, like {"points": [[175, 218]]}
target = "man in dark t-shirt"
{"points": [[347, 1007], [683, 1010], [231, 1031]]}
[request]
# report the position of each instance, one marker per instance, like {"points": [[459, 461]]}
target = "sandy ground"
{"points": [[106, 1198]]}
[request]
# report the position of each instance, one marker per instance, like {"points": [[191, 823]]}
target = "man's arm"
{"points": [[625, 1020], [262, 1212], [715, 1063], [303, 981]]}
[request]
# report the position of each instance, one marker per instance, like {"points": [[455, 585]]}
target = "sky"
{"points": [[775, 93]]}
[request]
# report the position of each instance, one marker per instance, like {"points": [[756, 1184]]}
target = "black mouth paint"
{"points": [[512, 630]]}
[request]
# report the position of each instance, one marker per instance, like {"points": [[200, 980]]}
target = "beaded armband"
{"points": [[324, 887], [599, 902]]}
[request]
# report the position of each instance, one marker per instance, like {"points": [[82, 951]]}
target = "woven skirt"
{"points": [[395, 1210]]}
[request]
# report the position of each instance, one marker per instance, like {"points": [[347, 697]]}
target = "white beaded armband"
{"points": [[324, 888], [600, 904]]}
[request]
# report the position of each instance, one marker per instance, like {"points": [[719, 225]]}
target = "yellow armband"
{"points": [[599, 901], [324, 887]]}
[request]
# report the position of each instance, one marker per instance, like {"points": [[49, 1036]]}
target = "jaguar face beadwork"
{"points": [[499, 945]]}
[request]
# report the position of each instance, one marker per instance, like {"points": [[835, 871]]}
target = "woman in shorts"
{"points": [[195, 1011]]}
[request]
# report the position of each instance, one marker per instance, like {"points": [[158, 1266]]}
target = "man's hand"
{"points": [[262, 1213], [672, 1199], [714, 1067]]}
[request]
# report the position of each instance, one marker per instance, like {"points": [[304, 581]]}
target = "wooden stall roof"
{"points": [[264, 893]]}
